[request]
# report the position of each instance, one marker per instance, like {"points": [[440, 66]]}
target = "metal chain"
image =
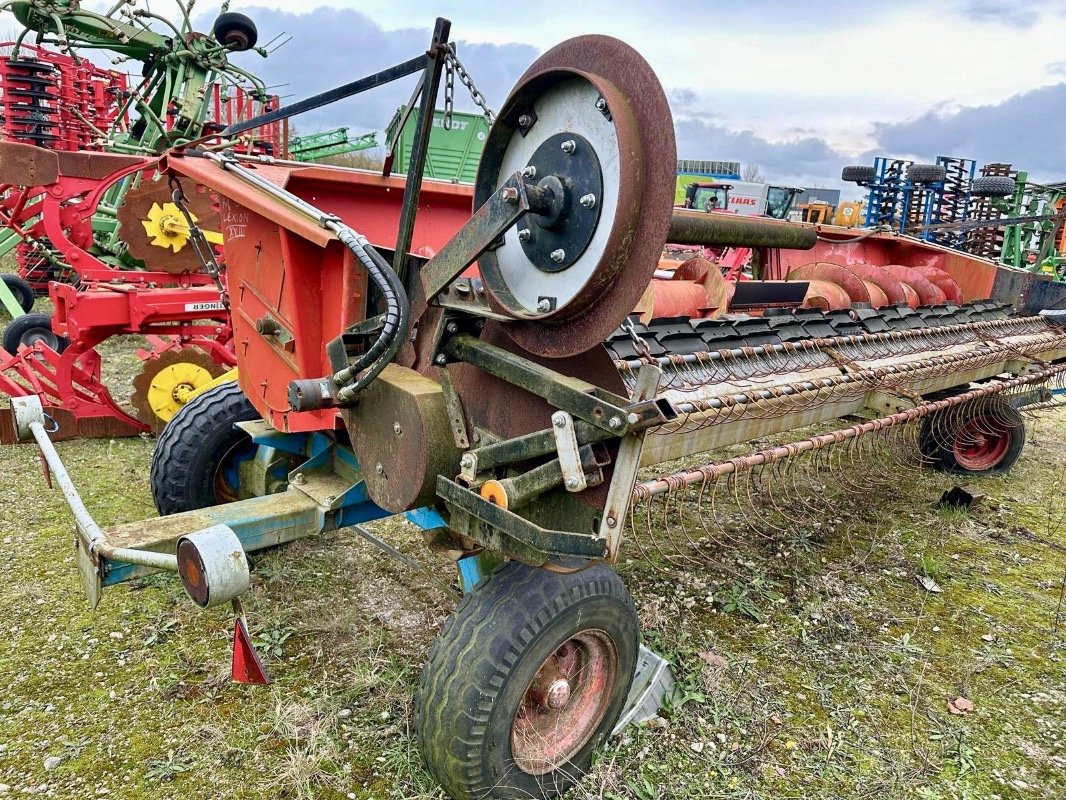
{"points": [[638, 341], [199, 242], [449, 88], [454, 64]]}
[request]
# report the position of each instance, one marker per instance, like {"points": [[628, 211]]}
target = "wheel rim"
{"points": [[228, 474], [34, 335], [982, 442], [565, 703]]}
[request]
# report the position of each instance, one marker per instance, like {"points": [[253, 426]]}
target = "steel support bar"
{"points": [[434, 65], [389, 75], [486, 225], [626, 465], [583, 400]]}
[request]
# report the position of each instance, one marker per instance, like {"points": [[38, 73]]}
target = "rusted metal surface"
{"points": [[523, 412], [975, 276], [403, 439], [138, 202], [711, 229], [891, 286], [647, 168], [929, 294], [826, 296], [713, 471], [72, 426], [27, 165]]}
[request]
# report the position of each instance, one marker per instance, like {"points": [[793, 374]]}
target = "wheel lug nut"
{"points": [[569, 146], [588, 200], [524, 235], [529, 172], [558, 256]]}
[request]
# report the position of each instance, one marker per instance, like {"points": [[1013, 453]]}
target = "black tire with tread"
{"points": [[926, 173], [22, 291], [486, 655], [236, 31], [36, 326], [938, 431], [992, 186], [858, 174], [193, 445]]}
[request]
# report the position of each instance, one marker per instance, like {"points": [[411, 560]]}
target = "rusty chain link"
{"points": [[452, 67]]}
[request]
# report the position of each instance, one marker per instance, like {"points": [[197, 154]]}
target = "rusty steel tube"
{"points": [[707, 472], [715, 229]]}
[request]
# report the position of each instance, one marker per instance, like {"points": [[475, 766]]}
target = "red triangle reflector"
{"points": [[247, 668]]}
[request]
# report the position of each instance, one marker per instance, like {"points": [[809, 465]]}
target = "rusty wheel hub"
{"points": [[565, 703]]}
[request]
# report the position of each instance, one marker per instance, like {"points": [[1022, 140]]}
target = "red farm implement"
{"points": [[93, 223], [476, 367]]}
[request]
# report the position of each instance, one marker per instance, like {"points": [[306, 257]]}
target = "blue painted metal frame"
{"points": [[265, 521]]}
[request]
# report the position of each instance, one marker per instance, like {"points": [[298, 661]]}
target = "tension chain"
{"points": [[453, 66], [199, 242], [638, 341]]}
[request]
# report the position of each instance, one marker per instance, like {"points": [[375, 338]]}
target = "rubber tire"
{"points": [[861, 174], [485, 657], [926, 173], [193, 446], [22, 291], [235, 31], [33, 324], [939, 430], [992, 186]]}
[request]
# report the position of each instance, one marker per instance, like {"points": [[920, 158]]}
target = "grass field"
{"points": [[811, 661]]}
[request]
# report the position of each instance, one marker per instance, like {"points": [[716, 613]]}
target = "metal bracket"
{"points": [[503, 530], [586, 401], [454, 406], [626, 465], [506, 205], [569, 452]]}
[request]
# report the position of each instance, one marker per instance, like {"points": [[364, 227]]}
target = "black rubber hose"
{"points": [[397, 316]]}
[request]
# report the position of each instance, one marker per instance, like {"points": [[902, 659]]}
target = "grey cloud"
{"points": [[1021, 14], [1020, 130], [331, 47], [802, 161]]}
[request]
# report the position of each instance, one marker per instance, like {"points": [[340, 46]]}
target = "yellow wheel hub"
{"points": [[173, 386], [166, 226]]}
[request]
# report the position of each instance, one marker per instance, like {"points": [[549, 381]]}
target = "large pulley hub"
{"points": [[598, 162]]}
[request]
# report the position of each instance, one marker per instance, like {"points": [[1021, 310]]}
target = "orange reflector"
{"points": [[247, 668]]}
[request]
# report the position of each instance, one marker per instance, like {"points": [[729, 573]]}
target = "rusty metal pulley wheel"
{"points": [[588, 122], [150, 201]]}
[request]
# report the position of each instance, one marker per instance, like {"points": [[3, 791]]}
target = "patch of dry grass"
{"points": [[812, 663]]}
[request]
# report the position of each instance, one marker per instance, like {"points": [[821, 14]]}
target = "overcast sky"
{"points": [[799, 88]]}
